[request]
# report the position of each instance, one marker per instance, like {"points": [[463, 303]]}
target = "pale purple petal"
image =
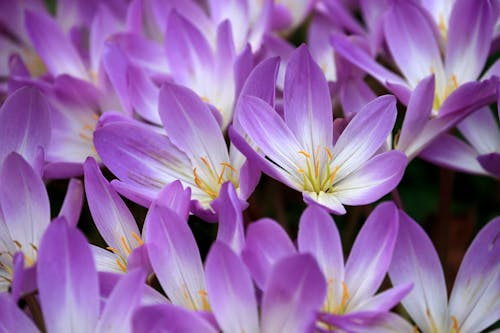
{"points": [[166, 318], [418, 113], [175, 197], [122, 303], [266, 243], [268, 130], [110, 214], [482, 131], [56, 50], [229, 208], [191, 126], [412, 42], [295, 291], [307, 102], [386, 300], [175, 257], [469, 38], [231, 291], [12, 318], [371, 254], [105, 261], [475, 300], [24, 124], [141, 157], [24, 202], [329, 201], [74, 304], [73, 202], [377, 177], [369, 322], [319, 236], [415, 261], [364, 135], [354, 94], [450, 152]]}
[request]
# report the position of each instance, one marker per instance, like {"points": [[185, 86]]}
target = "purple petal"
{"points": [[229, 208], [266, 243], [369, 322], [415, 261], [122, 303], [141, 157], [377, 177], [364, 135], [262, 81], [110, 214], [482, 131], [491, 163], [56, 50], [191, 126], [176, 198], [319, 236], [268, 130], [295, 291], [103, 25], [356, 55], [469, 37], [412, 42], [418, 113], [169, 318], [74, 304], [231, 291], [175, 258], [73, 202], [371, 254], [24, 202], [24, 124], [474, 299], [24, 278], [307, 101], [449, 152], [13, 319], [354, 94]]}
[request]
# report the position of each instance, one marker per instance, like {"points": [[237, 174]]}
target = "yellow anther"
{"points": [[454, 81], [125, 245], [95, 116], [114, 250], [84, 137], [205, 161], [28, 260], [334, 174], [345, 295], [205, 99], [415, 329], [219, 179], [301, 171], [121, 265], [229, 166], [307, 155], [329, 153], [456, 327], [88, 127], [137, 238], [204, 300]]}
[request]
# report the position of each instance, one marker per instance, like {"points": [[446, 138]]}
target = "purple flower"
{"points": [[351, 287], [194, 153], [300, 150], [415, 47], [474, 303]]}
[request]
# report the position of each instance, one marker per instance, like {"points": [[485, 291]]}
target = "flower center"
{"points": [[317, 172], [126, 249], [211, 180]]}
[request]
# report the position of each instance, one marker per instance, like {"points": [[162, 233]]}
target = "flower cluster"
{"points": [[166, 114]]}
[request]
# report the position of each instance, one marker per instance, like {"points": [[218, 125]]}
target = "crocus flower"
{"points": [[300, 150], [25, 214], [480, 154], [351, 287], [289, 303], [415, 47], [194, 153], [474, 303]]}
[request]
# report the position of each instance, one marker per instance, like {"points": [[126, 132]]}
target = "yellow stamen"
{"points": [[229, 166], [330, 155], [114, 250], [301, 171], [137, 238], [121, 265], [454, 81], [219, 179], [205, 99], [345, 295], [125, 245], [84, 137], [18, 244], [415, 329], [456, 327], [304, 153], [334, 174], [204, 300], [316, 161]]}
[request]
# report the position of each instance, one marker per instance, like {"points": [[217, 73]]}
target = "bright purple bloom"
{"points": [[300, 150], [194, 153], [474, 303], [351, 287]]}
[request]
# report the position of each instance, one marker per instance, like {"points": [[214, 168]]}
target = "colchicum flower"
{"points": [[474, 303], [194, 152], [300, 150]]}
